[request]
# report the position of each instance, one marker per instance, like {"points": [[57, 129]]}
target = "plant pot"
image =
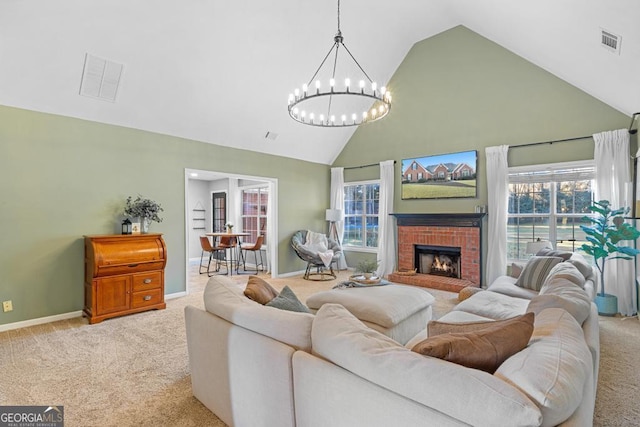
{"points": [[607, 304]]}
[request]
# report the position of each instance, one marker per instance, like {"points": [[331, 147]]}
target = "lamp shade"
{"points": [[333, 215], [534, 247]]}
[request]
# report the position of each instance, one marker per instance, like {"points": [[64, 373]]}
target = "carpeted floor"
{"points": [[133, 370]]}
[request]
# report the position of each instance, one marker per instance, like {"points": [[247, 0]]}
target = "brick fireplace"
{"points": [[449, 231]]}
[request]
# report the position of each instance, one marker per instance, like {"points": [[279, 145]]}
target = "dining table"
{"points": [[234, 239]]}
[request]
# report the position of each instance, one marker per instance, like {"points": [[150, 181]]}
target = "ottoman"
{"points": [[397, 311]]}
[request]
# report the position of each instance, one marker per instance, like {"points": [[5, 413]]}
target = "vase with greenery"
{"points": [[367, 267], [145, 209], [608, 229]]}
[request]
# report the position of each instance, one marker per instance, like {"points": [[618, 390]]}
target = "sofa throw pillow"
{"points": [[516, 269], [259, 290], [287, 300], [435, 327], [565, 255], [536, 271], [485, 349]]}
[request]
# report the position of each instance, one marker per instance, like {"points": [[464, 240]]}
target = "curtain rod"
{"points": [[633, 118], [550, 142], [631, 131], [365, 166]]}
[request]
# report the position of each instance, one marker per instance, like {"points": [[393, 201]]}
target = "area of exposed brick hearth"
{"points": [[454, 230]]}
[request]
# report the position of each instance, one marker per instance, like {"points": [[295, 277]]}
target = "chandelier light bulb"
{"points": [[364, 116], [317, 86], [374, 86], [344, 118], [296, 92], [291, 98], [311, 117], [332, 82], [321, 118], [333, 119], [373, 113], [347, 82], [383, 90], [354, 116], [305, 88], [295, 111]]}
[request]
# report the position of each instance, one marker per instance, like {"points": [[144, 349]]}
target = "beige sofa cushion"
{"points": [[481, 399], [507, 285], [553, 369], [225, 299], [493, 305], [561, 291], [564, 271]]}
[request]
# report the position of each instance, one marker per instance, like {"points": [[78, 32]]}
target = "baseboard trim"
{"points": [[40, 321], [175, 295]]}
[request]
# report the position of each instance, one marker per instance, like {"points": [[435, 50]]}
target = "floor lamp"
{"points": [[333, 216]]}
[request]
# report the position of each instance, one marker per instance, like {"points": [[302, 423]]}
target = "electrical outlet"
{"points": [[7, 306]]}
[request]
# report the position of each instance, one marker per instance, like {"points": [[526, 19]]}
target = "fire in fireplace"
{"points": [[438, 260]]}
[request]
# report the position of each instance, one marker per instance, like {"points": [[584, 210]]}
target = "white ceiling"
{"points": [[220, 72]]}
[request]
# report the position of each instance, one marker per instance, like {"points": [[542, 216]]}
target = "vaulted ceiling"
{"points": [[220, 72]]}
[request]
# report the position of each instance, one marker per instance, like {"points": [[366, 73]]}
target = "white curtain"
{"points": [[613, 178], [337, 202], [386, 230], [498, 197]]}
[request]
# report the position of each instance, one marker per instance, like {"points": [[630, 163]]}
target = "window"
{"points": [[219, 210], [254, 212], [361, 201], [548, 202]]}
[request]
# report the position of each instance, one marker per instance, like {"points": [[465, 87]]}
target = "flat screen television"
{"points": [[444, 176]]}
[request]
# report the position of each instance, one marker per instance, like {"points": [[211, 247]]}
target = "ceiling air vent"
{"points": [[610, 41], [100, 78]]}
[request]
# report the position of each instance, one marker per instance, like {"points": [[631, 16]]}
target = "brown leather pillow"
{"points": [[435, 327], [485, 349], [259, 291]]}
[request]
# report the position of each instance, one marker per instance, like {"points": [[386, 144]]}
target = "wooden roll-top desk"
{"points": [[124, 274]]}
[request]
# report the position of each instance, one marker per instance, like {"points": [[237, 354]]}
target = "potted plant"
{"points": [[145, 209], [604, 236], [367, 267]]}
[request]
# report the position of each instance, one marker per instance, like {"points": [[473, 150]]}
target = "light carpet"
{"points": [[134, 370]]}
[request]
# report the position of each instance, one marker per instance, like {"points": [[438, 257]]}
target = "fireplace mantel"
{"points": [[440, 219]]}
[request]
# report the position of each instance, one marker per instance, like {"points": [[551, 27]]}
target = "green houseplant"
{"points": [[367, 267], [608, 229], [145, 209]]}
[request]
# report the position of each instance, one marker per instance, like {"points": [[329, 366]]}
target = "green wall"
{"points": [[62, 178], [458, 91]]}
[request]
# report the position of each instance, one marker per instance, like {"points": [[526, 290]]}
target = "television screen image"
{"points": [[444, 176]]}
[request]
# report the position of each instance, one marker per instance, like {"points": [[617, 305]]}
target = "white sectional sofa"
{"points": [[254, 365]]}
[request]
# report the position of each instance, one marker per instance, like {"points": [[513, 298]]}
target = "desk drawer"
{"points": [[145, 298], [145, 281]]}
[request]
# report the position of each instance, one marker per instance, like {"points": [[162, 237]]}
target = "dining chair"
{"points": [[256, 248], [217, 252]]}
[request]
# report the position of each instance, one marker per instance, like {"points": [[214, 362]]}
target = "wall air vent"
{"points": [[610, 41], [100, 78]]}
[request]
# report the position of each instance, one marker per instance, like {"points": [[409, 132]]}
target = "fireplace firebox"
{"points": [[438, 260]]}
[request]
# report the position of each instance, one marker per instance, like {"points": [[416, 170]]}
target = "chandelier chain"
{"points": [[338, 16]]}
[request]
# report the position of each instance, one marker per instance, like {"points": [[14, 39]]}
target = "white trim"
{"points": [[40, 321], [175, 295], [551, 166], [272, 223]]}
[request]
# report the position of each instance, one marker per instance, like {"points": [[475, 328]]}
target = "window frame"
{"points": [[260, 216], [553, 215], [364, 216]]}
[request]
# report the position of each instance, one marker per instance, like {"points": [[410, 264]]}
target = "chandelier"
{"points": [[339, 104]]}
